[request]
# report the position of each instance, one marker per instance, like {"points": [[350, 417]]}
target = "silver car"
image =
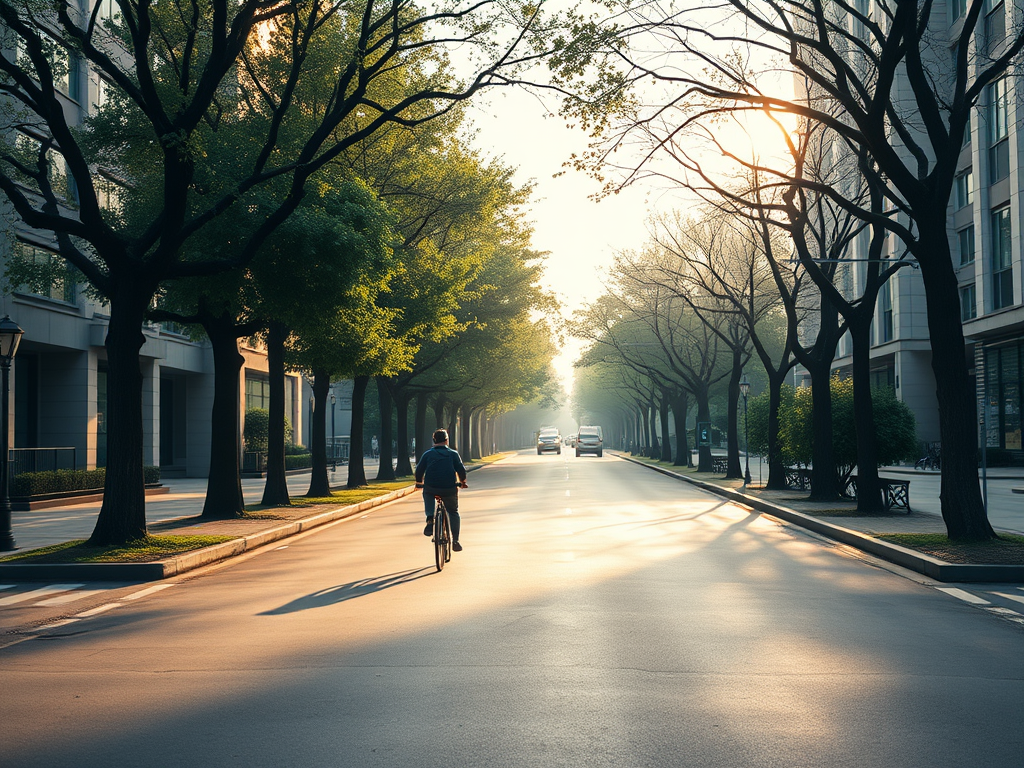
{"points": [[549, 440], [590, 440]]}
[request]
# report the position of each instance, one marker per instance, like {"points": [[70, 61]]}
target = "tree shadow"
{"points": [[350, 591]]}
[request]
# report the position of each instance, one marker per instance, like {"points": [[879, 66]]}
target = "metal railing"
{"points": [[42, 459]]}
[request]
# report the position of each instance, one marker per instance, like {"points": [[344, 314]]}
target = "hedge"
{"points": [[68, 480], [299, 461]]}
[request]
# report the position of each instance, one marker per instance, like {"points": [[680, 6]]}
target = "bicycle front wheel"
{"points": [[440, 536]]}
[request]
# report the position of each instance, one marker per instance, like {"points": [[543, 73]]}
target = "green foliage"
{"points": [[257, 430], [68, 480], [298, 461], [895, 428]]}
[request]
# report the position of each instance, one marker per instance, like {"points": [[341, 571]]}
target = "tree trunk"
{"points": [[403, 466], [319, 484], [466, 432], [478, 435], [824, 485], [386, 465], [732, 451], [275, 492], [122, 516], [356, 468], [869, 489], [960, 496], [422, 435], [453, 425], [666, 444], [652, 425], [439, 422], [679, 408], [224, 485], [704, 462], [776, 466]]}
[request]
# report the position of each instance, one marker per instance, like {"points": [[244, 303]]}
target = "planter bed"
{"points": [[67, 498]]}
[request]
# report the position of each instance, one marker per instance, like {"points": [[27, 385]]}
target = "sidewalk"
{"points": [[44, 527], [1005, 511]]}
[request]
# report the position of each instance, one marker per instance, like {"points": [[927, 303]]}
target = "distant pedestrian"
{"points": [[374, 447]]}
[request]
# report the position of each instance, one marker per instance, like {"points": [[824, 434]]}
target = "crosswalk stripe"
{"points": [[967, 597], [1016, 598], [41, 592], [147, 591], [71, 597], [94, 611]]}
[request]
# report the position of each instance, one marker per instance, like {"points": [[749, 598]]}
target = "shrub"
{"points": [[298, 461], [895, 428], [257, 430], [68, 481]]}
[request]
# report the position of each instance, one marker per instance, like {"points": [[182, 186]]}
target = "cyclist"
{"points": [[440, 472]]}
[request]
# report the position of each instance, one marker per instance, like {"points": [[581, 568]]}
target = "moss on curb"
{"points": [[1008, 549]]}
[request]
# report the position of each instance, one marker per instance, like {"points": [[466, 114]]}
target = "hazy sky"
{"points": [[580, 235]]}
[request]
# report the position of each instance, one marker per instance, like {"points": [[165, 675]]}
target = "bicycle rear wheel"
{"points": [[440, 535], [447, 536]]}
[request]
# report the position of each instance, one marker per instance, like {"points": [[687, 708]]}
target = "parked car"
{"points": [[548, 439], [590, 439]]}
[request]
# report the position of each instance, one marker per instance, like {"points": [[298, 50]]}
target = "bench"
{"points": [[896, 492], [1017, 490], [798, 478], [719, 463]]}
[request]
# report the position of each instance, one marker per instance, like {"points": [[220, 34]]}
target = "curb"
{"points": [[932, 567], [174, 566]]}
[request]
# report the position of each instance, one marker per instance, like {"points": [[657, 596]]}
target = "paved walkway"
{"points": [[43, 527], [1005, 508]]}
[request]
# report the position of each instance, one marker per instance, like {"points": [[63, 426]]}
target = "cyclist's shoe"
{"points": [[428, 529], [456, 546]]}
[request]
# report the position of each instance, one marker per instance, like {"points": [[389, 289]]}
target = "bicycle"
{"points": [[442, 538]]}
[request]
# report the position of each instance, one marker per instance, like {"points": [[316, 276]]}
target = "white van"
{"points": [[590, 439]]}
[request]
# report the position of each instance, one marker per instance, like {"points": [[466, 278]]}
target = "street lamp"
{"points": [[10, 337], [745, 390], [334, 450]]}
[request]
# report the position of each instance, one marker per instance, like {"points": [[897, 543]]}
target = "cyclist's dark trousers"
{"points": [[451, 503]]}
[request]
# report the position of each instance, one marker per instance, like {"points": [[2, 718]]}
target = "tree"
{"points": [[883, 82], [187, 76]]}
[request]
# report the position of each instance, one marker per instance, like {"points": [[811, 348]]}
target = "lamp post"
{"points": [[745, 390], [10, 337], [334, 450]]}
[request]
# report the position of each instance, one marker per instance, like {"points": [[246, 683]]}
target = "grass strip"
{"points": [[354, 495], [141, 551], [1008, 549]]}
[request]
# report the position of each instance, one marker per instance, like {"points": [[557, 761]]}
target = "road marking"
{"points": [[1017, 598], [284, 547], [71, 597], [94, 611], [967, 597], [148, 591], [41, 592], [566, 491], [7, 586], [568, 510], [55, 624]]}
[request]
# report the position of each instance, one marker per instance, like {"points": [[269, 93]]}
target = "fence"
{"points": [[41, 459]]}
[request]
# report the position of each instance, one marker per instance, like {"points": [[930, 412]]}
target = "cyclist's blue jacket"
{"points": [[439, 466]]}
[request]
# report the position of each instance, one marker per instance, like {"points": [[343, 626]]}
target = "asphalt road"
{"points": [[600, 615]]}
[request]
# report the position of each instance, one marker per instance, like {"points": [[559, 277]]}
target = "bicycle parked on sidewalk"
{"points": [[442, 538]]}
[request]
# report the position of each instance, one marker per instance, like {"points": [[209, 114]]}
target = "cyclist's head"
{"points": [[440, 436]]}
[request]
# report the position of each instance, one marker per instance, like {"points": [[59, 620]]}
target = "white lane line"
{"points": [[41, 592], [568, 510], [71, 597], [967, 597], [148, 591], [1016, 598], [55, 624], [94, 611], [566, 491]]}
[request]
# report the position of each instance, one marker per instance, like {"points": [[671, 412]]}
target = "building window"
{"points": [[41, 272], [1002, 261], [1003, 397], [999, 145], [968, 303], [885, 324], [959, 9], [257, 394], [965, 245], [964, 189], [995, 29]]}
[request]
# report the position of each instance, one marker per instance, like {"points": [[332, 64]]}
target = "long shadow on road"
{"points": [[350, 591]]}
